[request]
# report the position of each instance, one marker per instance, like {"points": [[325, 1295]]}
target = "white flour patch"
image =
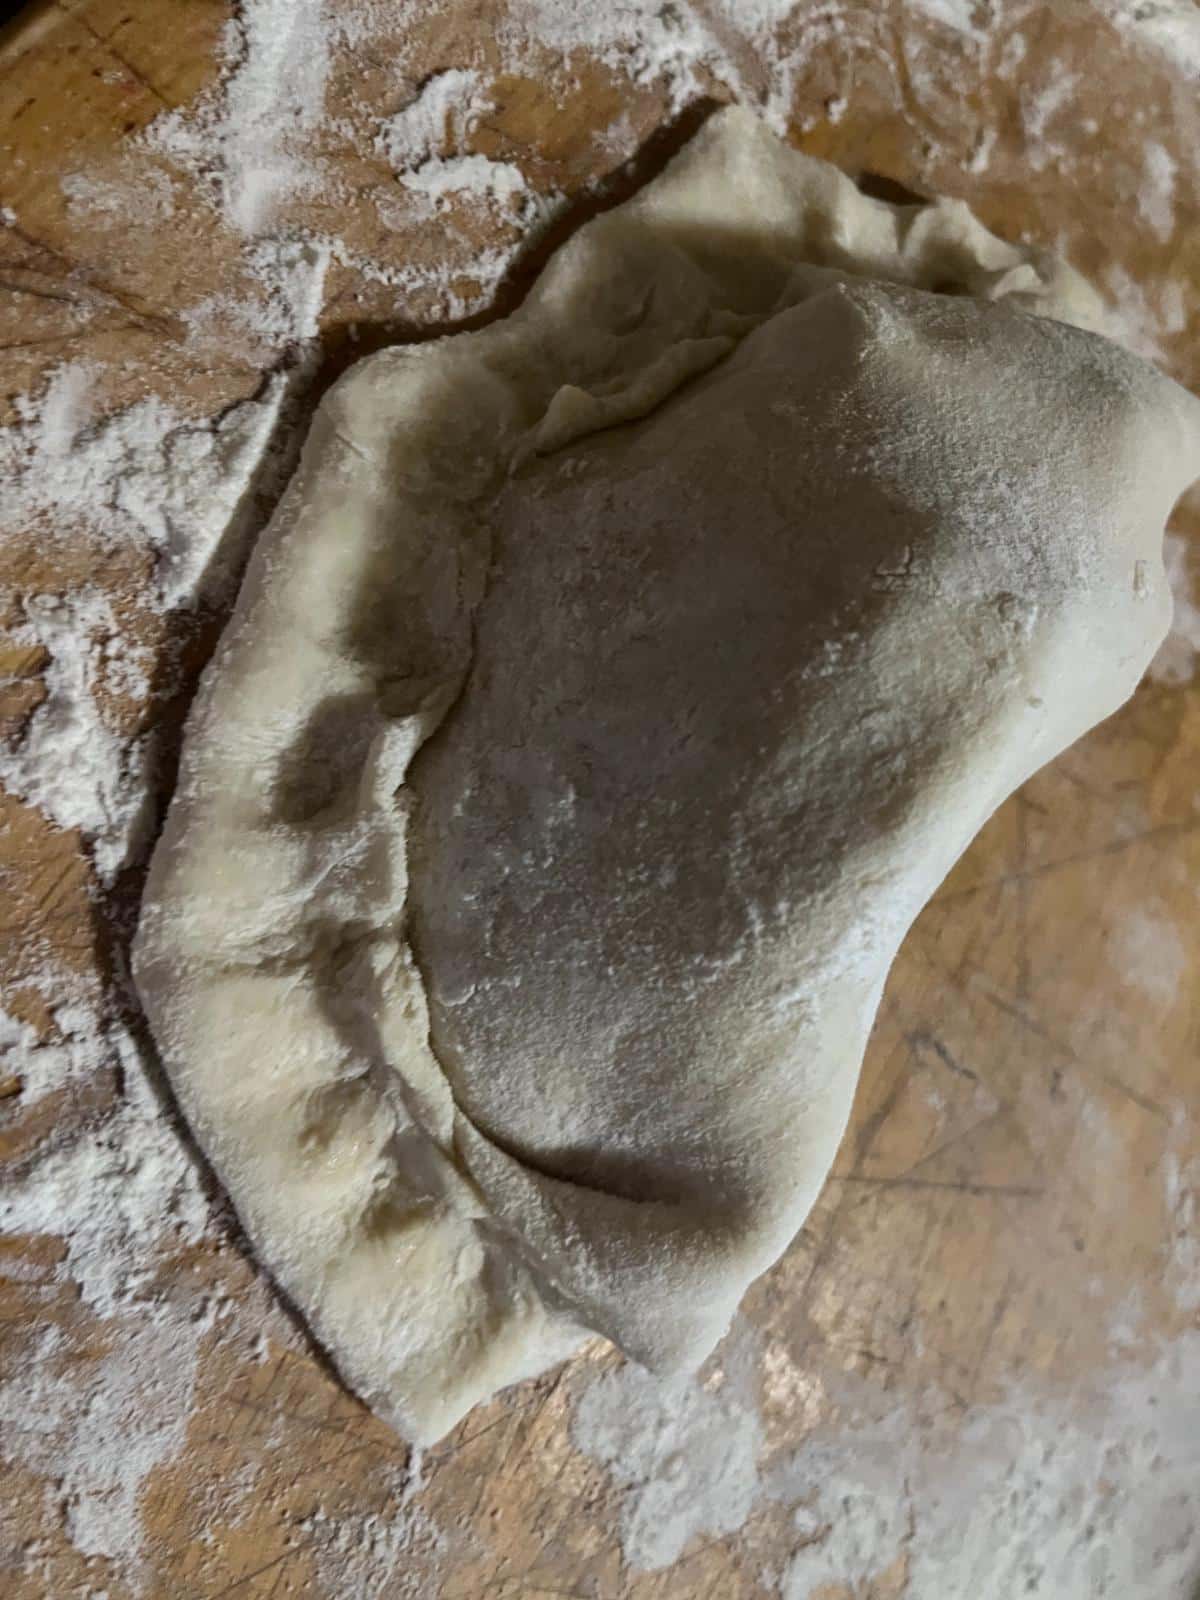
{"points": [[1091, 1495], [960, 15], [981, 154], [1039, 111], [99, 1430], [181, 490], [45, 1066], [685, 1452], [90, 198], [124, 1198], [76, 769], [1175, 663], [120, 1195], [676, 48], [475, 176], [1170, 27], [247, 142], [356, 1552], [1127, 1322], [1144, 314], [443, 113], [468, 272], [1156, 193], [281, 313], [1147, 950], [147, 477]]}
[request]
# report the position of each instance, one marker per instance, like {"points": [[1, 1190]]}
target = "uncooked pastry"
{"points": [[610, 691]]}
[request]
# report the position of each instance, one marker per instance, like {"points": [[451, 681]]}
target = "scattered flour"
{"points": [[478, 176], [45, 1066], [178, 489], [981, 154], [1092, 1495], [1148, 952], [677, 47], [1040, 109], [247, 141], [961, 15], [147, 477], [100, 1434], [421, 143], [70, 763], [151, 199], [124, 1199], [144, 476], [354, 1550], [1156, 195], [685, 1451], [280, 313], [121, 1192], [444, 111], [1145, 314], [1171, 27]]}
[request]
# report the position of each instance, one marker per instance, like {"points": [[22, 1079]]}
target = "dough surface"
{"points": [[611, 689]]}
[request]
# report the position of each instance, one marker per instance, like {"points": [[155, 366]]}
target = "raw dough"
{"points": [[611, 690]]}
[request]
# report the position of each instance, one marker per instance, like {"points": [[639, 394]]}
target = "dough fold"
{"points": [[610, 691]]}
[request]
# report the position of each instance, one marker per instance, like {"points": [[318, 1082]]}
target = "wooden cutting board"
{"points": [[1011, 1210]]}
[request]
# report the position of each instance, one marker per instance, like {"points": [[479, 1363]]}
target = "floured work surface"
{"points": [[977, 1367]]}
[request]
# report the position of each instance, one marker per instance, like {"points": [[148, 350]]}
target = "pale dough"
{"points": [[611, 690]]}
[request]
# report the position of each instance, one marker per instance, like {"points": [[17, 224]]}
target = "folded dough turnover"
{"points": [[610, 691]]}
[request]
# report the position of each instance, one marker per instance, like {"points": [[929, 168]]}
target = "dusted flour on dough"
{"points": [[611, 690]]}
